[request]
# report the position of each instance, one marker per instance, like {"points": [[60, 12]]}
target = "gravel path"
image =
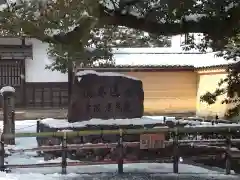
{"points": [[155, 177]]}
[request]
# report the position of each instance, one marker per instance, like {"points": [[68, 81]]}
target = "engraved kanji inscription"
{"points": [[104, 96]]}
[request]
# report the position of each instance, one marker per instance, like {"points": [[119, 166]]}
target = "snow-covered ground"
{"points": [[139, 171], [63, 123]]}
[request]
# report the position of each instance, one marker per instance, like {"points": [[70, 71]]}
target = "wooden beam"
{"points": [[165, 129]]}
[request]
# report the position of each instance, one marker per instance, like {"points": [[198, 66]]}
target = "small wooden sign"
{"points": [[152, 141]]}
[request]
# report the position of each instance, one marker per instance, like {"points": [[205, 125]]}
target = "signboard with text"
{"points": [[152, 141]]}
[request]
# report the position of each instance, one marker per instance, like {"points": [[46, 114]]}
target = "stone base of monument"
{"points": [[52, 125]]}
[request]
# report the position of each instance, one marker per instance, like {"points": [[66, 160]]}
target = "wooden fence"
{"points": [[176, 130], [47, 95], [64, 147], [12, 73]]}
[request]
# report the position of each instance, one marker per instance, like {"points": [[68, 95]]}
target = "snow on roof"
{"points": [[85, 72], [155, 50], [195, 60], [7, 89]]}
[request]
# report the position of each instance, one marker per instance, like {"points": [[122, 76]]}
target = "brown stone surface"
{"points": [[104, 96]]}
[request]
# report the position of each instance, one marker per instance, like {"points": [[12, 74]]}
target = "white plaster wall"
{"points": [[36, 72], [176, 42], [35, 68]]}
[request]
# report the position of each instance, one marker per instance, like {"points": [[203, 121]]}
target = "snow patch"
{"points": [[3, 7], [63, 123], [65, 130], [57, 123], [86, 72], [194, 17], [79, 79], [7, 89], [230, 6], [158, 58]]}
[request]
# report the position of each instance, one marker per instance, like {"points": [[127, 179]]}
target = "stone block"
{"points": [[105, 96]]}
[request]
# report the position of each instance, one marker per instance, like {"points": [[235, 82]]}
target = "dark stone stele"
{"points": [[105, 96]]}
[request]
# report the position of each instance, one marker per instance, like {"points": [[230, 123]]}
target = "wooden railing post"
{"points": [[64, 153], [164, 119], [37, 138], [175, 151], [120, 152], [228, 154], [38, 126], [13, 124], [2, 154]]}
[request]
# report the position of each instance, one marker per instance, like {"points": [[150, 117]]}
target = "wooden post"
{"points": [[120, 152], [64, 153], [23, 82], [8, 113], [164, 119], [70, 84], [13, 125], [2, 154], [175, 151], [228, 154], [38, 138], [38, 126], [212, 122], [70, 80]]}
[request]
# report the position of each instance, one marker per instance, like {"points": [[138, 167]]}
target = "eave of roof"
{"points": [[220, 66], [150, 68], [140, 68]]}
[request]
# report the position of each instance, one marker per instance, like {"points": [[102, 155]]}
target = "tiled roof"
{"points": [[162, 58], [146, 59], [214, 66], [146, 68]]}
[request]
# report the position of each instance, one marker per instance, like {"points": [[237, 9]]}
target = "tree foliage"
{"points": [[72, 22], [98, 50], [230, 85], [49, 21]]}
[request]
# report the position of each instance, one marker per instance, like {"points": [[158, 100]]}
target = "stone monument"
{"points": [[8, 94], [105, 96]]}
